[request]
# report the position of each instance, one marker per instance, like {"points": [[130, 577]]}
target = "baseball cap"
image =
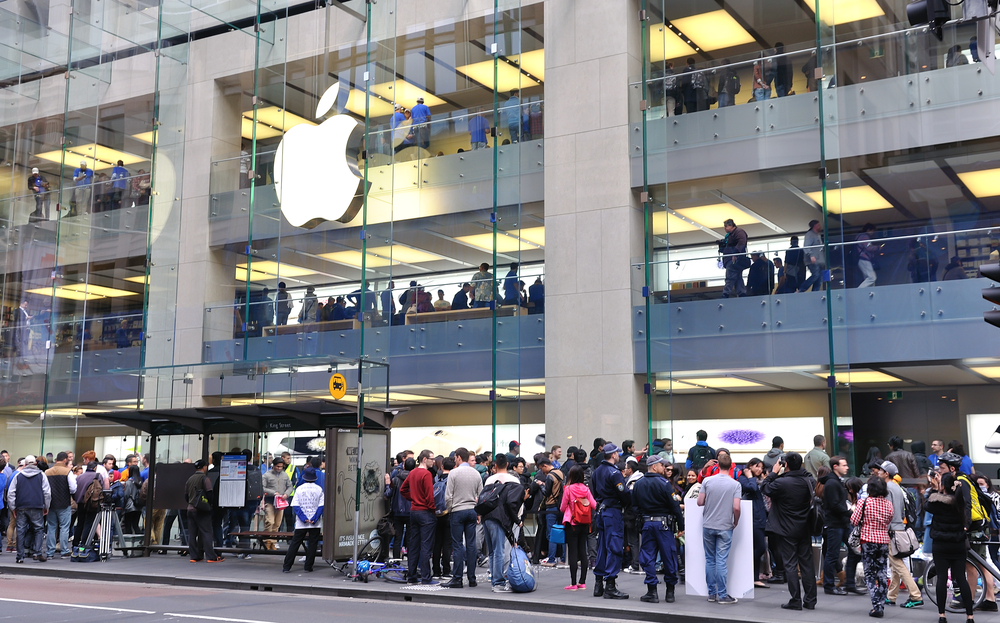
{"points": [[890, 468], [83, 163], [653, 459], [199, 464], [309, 474], [611, 448], [420, 100], [34, 171], [513, 444], [29, 460]]}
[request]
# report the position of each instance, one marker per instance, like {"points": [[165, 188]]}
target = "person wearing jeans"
{"points": [[720, 497], [418, 488], [496, 544], [461, 494], [59, 520]]}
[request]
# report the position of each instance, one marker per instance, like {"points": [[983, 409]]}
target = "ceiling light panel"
{"points": [[63, 293], [509, 242], [508, 77], [862, 376], [713, 216], [982, 183], [725, 382], [992, 372], [97, 156], [90, 288], [851, 200], [533, 62], [664, 44], [406, 94], [277, 118], [665, 223], [378, 106], [277, 269], [835, 12], [263, 131], [714, 30]]}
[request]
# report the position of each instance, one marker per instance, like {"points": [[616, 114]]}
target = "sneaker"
{"points": [[65, 555], [988, 606], [219, 559], [713, 598], [889, 602], [501, 588], [246, 556], [916, 603], [878, 614], [581, 587], [571, 587], [727, 600], [546, 563]]}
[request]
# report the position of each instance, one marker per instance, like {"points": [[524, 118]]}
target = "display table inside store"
{"points": [[464, 314], [689, 294], [313, 327]]}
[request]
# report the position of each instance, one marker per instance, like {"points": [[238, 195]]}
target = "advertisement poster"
{"points": [[233, 481], [341, 489], [984, 437], [750, 437]]}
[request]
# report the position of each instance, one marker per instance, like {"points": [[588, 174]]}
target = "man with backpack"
{"points": [[461, 495], [900, 501], [499, 505], [729, 85], [441, 556], [197, 490], [658, 512], [399, 507], [700, 453], [981, 508], [418, 488], [551, 499]]}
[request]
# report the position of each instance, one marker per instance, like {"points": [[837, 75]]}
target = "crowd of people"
{"points": [[600, 513]]}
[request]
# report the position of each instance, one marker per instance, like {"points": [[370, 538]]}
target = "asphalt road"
{"points": [[52, 600]]}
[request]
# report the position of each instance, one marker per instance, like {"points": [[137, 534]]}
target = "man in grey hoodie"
{"points": [[28, 499], [775, 454]]}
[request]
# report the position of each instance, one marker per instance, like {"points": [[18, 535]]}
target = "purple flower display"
{"points": [[741, 437]]}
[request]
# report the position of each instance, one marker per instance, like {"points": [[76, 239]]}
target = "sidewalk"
{"points": [[263, 573]]}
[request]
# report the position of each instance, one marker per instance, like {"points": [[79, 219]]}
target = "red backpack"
{"points": [[580, 512]]}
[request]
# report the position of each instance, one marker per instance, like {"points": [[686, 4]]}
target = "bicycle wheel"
{"points": [[393, 574], [371, 549], [955, 603]]}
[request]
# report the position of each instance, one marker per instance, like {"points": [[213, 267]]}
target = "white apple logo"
{"points": [[316, 173]]}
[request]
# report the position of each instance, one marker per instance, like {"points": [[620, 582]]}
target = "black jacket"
{"points": [[791, 497], [835, 511], [506, 514], [951, 516], [751, 491]]}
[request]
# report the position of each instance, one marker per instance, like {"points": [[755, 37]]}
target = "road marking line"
{"points": [[52, 603], [207, 618]]}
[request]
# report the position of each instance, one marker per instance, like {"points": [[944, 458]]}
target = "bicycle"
{"points": [[979, 564], [368, 565]]}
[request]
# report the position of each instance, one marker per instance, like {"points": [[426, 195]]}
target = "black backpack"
{"points": [[700, 455], [909, 508], [489, 499]]}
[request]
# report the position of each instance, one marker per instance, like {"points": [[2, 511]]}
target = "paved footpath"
{"points": [[263, 574]]}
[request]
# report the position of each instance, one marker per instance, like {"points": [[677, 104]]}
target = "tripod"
{"points": [[107, 519]]}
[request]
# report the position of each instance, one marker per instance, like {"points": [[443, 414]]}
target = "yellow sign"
{"points": [[338, 386]]}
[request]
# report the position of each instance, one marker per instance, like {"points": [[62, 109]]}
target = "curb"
{"points": [[613, 609]]}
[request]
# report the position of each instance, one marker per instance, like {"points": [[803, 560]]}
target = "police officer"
{"points": [[612, 497], [654, 502]]}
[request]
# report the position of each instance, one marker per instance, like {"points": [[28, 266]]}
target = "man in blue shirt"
{"points": [[511, 294], [478, 125], [421, 116], [536, 296], [119, 184], [512, 109], [83, 177]]}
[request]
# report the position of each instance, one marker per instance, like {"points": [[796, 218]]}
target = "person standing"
{"points": [[775, 454], [905, 462], [512, 112], [308, 312], [577, 505], [478, 126], [461, 495], [873, 514], [483, 283], [700, 453], [461, 298], [750, 479], [814, 257], [760, 278], [39, 187], [28, 499], [783, 77], [499, 523], [951, 504], [937, 449], [199, 519], [729, 85], [837, 517], [720, 496], [817, 457], [119, 184], [658, 511], [442, 550], [866, 255], [511, 295], [612, 496], [418, 489], [277, 485], [795, 267], [308, 508], [552, 491], [83, 177], [694, 87], [284, 304], [421, 123], [887, 471], [734, 259], [791, 495]]}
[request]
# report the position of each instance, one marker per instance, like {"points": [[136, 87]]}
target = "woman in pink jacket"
{"points": [[577, 506]]}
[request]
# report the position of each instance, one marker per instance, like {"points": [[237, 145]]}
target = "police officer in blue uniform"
{"points": [[653, 499], [612, 497]]}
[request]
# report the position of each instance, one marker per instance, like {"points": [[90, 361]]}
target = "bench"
{"points": [[258, 537], [464, 314], [313, 327]]}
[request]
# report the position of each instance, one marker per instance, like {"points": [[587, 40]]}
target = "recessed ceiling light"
{"points": [[667, 46], [713, 216], [836, 12], [713, 30], [862, 376], [982, 183], [851, 200]]}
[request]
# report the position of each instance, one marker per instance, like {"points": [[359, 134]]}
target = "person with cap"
{"points": [[397, 121], [421, 116], [199, 519], [887, 471], [791, 496], [84, 177], [308, 508], [514, 448], [39, 188], [612, 497], [276, 485], [659, 513], [119, 184], [720, 497], [28, 499]]}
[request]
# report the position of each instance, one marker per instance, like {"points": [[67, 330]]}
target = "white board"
{"points": [[739, 572], [233, 481]]}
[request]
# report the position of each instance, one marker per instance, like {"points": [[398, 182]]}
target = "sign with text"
{"points": [[233, 481], [342, 461]]}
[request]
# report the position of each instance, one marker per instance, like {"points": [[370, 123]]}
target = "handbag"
{"points": [[854, 540], [201, 502], [557, 535], [902, 543]]}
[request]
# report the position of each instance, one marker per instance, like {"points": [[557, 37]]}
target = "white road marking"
{"points": [[52, 603], [207, 618]]}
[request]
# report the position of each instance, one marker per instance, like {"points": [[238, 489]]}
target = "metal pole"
{"points": [[357, 478]]}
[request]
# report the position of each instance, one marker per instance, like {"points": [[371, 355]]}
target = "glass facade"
{"points": [[829, 133]]}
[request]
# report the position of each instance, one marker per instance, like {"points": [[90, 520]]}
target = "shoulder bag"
{"points": [[854, 540]]}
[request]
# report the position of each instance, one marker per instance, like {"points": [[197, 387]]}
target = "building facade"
{"points": [[306, 188]]}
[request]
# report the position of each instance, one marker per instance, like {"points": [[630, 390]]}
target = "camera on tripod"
{"points": [[107, 500]]}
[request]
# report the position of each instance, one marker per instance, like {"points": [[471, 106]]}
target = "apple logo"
{"points": [[316, 173]]}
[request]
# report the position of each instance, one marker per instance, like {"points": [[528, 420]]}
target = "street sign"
{"points": [[338, 386]]}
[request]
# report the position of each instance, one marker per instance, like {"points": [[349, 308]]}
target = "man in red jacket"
{"points": [[418, 488]]}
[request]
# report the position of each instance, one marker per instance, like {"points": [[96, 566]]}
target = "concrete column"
{"points": [[593, 224]]}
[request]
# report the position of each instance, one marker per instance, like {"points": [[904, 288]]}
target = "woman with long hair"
{"points": [[874, 457], [749, 480], [577, 501], [131, 504], [873, 514], [950, 503]]}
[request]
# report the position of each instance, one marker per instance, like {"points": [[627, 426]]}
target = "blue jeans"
{"points": [[725, 99], [463, 543], [928, 542], [555, 549], [481, 304], [59, 520], [717, 544], [496, 541], [762, 94], [420, 544]]}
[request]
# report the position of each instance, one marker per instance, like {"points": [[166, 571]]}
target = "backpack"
{"points": [[580, 511], [440, 505], [557, 489], [698, 81], [130, 497], [255, 485], [700, 455], [909, 508], [980, 511], [520, 575], [489, 499], [670, 84], [92, 496]]}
